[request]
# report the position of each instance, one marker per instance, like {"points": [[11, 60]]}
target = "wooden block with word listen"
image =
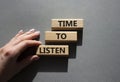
{"points": [[53, 50], [67, 24], [61, 36]]}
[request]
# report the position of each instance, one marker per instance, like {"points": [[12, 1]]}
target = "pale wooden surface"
{"points": [[52, 50], [52, 36], [67, 24]]}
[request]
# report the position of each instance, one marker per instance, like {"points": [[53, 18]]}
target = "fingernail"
{"points": [[21, 31], [37, 32], [40, 42], [36, 58], [32, 30]]}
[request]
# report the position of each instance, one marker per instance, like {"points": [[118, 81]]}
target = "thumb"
{"points": [[25, 62]]}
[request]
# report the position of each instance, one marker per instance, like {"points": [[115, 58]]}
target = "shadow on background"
{"points": [[47, 64], [53, 64], [72, 45], [26, 75], [44, 64], [79, 37]]}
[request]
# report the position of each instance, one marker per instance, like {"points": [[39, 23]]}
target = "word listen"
{"points": [[51, 50], [60, 36], [67, 24]]}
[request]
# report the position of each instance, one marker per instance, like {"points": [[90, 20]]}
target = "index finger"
{"points": [[25, 44]]}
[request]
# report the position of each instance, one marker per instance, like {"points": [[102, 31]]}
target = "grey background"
{"points": [[96, 60]]}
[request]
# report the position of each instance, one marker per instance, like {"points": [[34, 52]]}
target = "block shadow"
{"points": [[53, 64], [47, 63], [79, 37], [72, 45], [44, 64]]}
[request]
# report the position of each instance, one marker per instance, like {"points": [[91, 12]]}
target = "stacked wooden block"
{"points": [[63, 31]]}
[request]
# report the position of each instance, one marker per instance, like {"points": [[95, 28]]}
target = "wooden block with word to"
{"points": [[67, 24], [60, 36], [53, 50]]}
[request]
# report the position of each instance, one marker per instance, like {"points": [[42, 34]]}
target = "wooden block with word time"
{"points": [[67, 24], [53, 50], [61, 36]]}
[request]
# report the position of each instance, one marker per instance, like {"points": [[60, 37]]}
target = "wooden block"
{"points": [[61, 36], [67, 24], [53, 50]]}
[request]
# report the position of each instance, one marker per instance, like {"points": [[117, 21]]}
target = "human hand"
{"points": [[13, 49]]}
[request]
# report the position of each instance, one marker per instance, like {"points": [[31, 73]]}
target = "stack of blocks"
{"points": [[63, 31]]}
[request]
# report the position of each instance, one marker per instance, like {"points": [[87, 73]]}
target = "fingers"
{"points": [[25, 44], [15, 37], [25, 62], [21, 36], [30, 35], [30, 31], [24, 40], [19, 33]]}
